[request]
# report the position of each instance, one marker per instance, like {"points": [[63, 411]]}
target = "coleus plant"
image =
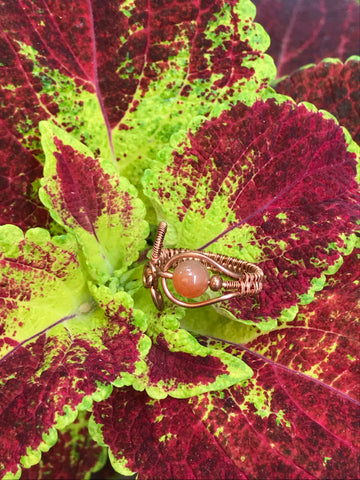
{"points": [[116, 115]]}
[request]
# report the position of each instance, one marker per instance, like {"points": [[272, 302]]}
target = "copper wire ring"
{"points": [[248, 277]]}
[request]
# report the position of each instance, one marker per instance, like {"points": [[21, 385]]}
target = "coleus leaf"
{"points": [[297, 417], [180, 367], [160, 438], [274, 184], [304, 400], [330, 85], [87, 196], [322, 341], [59, 349], [121, 77], [74, 456], [34, 268], [304, 32]]}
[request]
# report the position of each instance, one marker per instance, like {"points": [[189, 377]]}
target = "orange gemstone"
{"points": [[190, 279]]}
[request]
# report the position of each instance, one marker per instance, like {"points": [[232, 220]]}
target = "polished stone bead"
{"points": [[190, 279]]}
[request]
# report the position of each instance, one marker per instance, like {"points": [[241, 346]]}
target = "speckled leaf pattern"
{"points": [[296, 418], [88, 198], [74, 456], [180, 367], [302, 406], [122, 76], [332, 86], [35, 273], [174, 442], [59, 349], [273, 184], [304, 31], [323, 340]]}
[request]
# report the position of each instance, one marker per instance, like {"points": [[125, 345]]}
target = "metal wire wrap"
{"points": [[248, 277]]}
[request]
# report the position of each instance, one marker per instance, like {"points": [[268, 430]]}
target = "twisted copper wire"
{"points": [[248, 276], [159, 240]]}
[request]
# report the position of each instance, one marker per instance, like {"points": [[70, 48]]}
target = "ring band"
{"points": [[248, 277]]}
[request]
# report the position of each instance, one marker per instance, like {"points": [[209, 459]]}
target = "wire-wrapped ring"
{"points": [[247, 277]]}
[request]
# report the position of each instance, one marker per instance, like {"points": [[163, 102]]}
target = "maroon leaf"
{"points": [[53, 377], [89, 65], [274, 184], [304, 31], [296, 418], [87, 196], [18, 172], [330, 86], [162, 439], [180, 367], [59, 350], [73, 456], [323, 340], [300, 411], [187, 369]]}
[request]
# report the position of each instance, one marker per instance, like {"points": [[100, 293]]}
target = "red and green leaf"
{"points": [[59, 349], [322, 342], [74, 456], [330, 85], [122, 77], [304, 31], [302, 406], [41, 283], [180, 367], [297, 417], [174, 443], [274, 184], [88, 198]]}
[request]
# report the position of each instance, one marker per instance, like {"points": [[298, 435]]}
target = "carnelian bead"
{"points": [[190, 279]]}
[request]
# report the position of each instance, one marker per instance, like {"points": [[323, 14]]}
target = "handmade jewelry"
{"points": [[190, 272]]}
